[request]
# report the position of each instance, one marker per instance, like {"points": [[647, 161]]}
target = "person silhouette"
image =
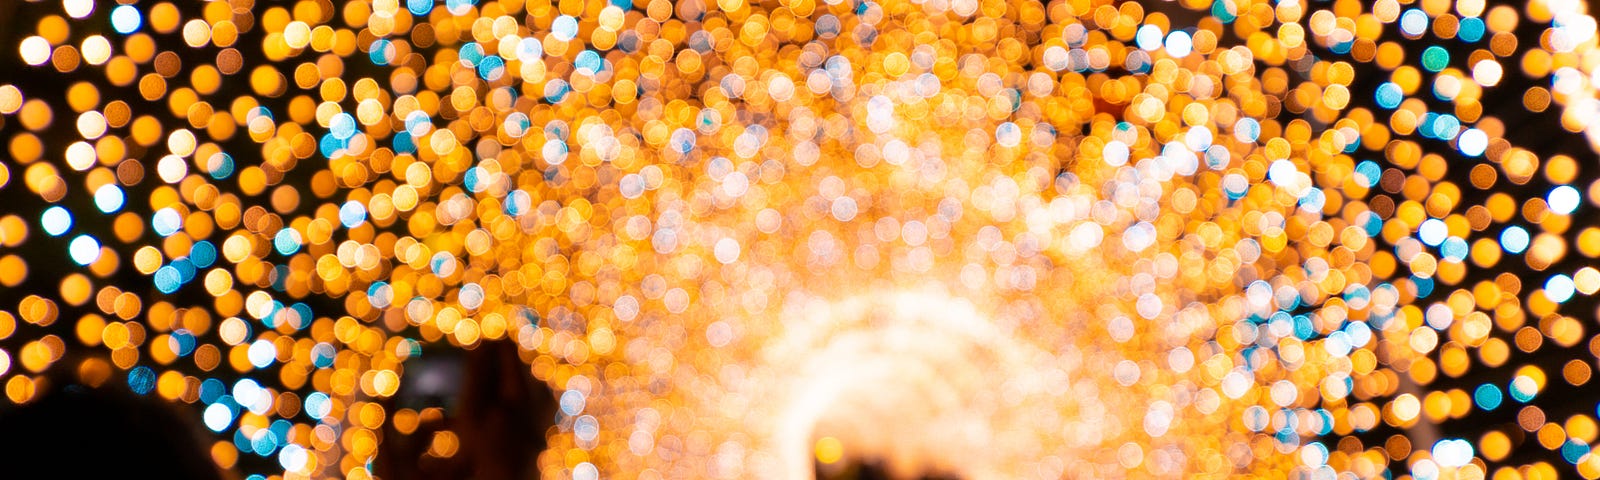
{"points": [[489, 401], [73, 430], [865, 469]]}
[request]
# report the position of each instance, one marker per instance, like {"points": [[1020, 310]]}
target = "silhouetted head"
{"points": [[75, 431], [861, 469], [485, 399]]}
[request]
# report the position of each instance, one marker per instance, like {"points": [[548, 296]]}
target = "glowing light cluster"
{"points": [[1117, 239]]}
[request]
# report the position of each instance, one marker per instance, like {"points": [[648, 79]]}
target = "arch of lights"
{"points": [[1078, 237]]}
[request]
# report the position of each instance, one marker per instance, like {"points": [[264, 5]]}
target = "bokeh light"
{"points": [[757, 239]]}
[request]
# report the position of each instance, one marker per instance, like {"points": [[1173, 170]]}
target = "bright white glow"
{"points": [[80, 156], [218, 417], [1564, 200], [96, 50], [172, 168], [91, 125], [1179, 44], [1473, 142], [1115, 153], [35, 50], [726, 250], [108, 198], [1487, 73], [293, 457], [1559, 288], [56, 220], [883, 374], [1433, 231], [1452, 452], [84, 249], [78, 8], [1148, 38]]}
